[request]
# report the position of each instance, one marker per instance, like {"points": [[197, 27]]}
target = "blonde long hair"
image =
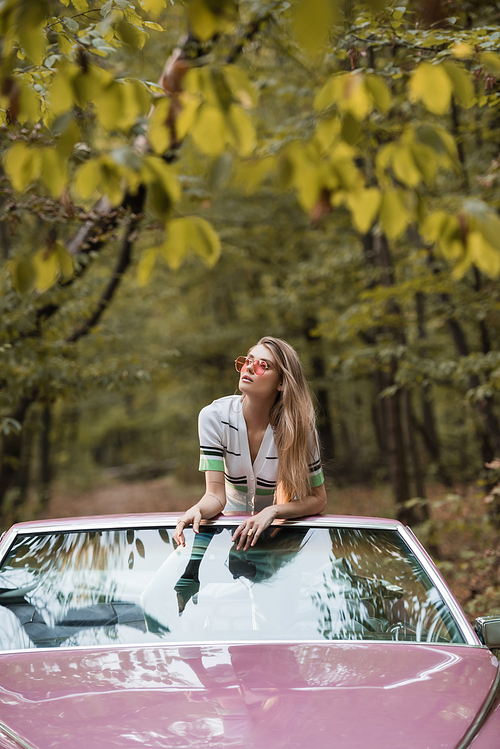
{"points": [[293, 421]]}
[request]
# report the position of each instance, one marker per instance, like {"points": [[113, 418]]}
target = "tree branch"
{"points": [[124, 260]]}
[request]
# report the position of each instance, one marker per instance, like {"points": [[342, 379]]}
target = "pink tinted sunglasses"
{"points": [[259, 366]]}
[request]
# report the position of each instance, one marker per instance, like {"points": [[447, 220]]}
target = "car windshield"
{"points": [[136, 585]]}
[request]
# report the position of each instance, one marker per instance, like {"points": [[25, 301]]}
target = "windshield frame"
{"points": [[141, 521]]}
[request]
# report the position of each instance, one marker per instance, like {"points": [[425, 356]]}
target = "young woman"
{"points": [[259, 450]]}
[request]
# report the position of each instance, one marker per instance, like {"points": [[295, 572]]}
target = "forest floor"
{"points": [[469, 555]]}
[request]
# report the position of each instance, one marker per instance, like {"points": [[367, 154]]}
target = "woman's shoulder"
{"points": [[222, 407]]}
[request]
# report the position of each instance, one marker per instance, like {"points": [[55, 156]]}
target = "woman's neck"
{"points": [[256, 412]]}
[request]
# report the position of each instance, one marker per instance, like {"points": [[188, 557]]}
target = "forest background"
{"points": [[180, 178]]}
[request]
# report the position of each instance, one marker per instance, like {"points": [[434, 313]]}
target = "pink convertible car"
{"points": [[330, 632]]}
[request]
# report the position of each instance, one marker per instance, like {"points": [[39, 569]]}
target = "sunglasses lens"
{"points": [[258, 365]]}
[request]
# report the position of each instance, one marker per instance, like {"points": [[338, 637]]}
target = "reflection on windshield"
{"points": [[297, 583]]}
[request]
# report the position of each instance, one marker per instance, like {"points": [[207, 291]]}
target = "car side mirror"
{"points": [[487, 628]]}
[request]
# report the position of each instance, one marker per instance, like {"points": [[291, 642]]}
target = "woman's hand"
{"points": [[249, 531], [190, 517]]}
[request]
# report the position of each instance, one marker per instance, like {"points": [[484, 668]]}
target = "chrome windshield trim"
{"points": [[15, 736], [179, 644], [6, 542], [460, 619], [149, 521]]}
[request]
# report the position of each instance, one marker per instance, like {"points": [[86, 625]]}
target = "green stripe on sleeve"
{"points": [[211, 464], [317, 479]]}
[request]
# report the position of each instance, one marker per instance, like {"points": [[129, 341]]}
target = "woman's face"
{"points": [[265, 385]]}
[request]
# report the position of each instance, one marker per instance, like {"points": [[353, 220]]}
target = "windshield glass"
{"points": [[136, 585]]}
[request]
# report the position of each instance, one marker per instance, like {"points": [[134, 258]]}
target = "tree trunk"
{"points": [[324, 421], [11, 453], [378, 414], [45, 466], [325, 427], [396, 458], [24, 472], [428, 427]]}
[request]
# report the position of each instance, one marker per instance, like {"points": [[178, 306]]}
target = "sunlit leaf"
{"points": [[186, 116], [327, 132], [482, 216], [241, 130], [240, 85], [65, 260], [174, 249], [463, 86], [364, 205], [61, 91], [54, 171], [394, 215], [433, 225], [159, 132], [29, 104], [432, 86], [311, 20], [491, 62], [202, 22], [405, 168], [46, 264], [443, 229], [146, 266], [250, 174], [33, 41], [483, 255], [65, 44], [379, 91], [203, 240], [305, 176], [69, 136], [154, 7], [462, 51], [22, 165], [109, 106], [87, 178], [155, 169], [425, 160], [190, 235], [329, 92], [210, 131], [112, 183], [129, 34]]}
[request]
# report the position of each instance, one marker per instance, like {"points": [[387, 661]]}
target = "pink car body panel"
{"points": [[349, 695], [342, 694]]}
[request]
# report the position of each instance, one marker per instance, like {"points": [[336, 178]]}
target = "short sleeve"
{"points": [[316, 477], [210, 433]]}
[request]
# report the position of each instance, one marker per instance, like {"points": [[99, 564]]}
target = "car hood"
{"points": [[272, 694]]}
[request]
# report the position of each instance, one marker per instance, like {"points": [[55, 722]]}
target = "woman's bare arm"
{"points": [[212, 503], [313, 504]]}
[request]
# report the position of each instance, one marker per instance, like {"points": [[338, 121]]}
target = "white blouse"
{"points": [[224, 447]]}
